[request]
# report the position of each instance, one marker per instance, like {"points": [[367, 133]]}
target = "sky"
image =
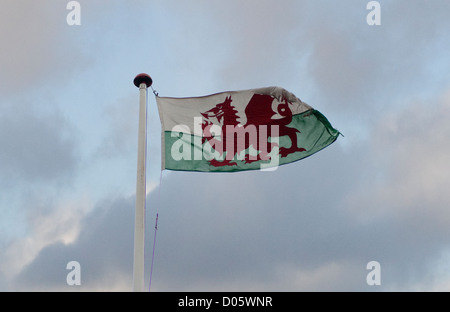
{"points": [[68, 146]]}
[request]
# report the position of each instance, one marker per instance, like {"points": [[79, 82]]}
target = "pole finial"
{"points": [[143, 78]]}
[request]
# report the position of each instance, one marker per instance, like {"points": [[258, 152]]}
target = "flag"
{"points": [[240, 130]]}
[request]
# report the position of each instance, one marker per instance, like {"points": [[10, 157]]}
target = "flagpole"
{"points": [[142, 81]]}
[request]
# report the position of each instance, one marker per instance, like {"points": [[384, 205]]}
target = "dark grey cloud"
{"points": [[323, 52], [35, 146], [224, 230], [365, 69], [409, 153], [233, 235], [104, 249], [293, 229]]}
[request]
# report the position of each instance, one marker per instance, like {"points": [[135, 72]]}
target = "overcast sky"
{"points": [[68, 146]]}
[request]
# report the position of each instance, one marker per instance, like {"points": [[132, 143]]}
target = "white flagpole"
{"points": [[142, 81]]}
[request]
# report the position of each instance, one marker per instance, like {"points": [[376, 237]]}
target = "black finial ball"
{"points": [[143, 78]]}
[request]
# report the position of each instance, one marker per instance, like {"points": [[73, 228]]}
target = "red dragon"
{"points": [[260, 120]]}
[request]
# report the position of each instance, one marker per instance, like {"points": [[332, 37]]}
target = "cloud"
{"points": [[410, 153], [258, 42], [367, 68], [204, 238], [235, 42], [406, 188], [312, 225], [58, 226], [40, 50], [103, 246], [36, 146], [315, 226], [34, 48], [121, 135], [325, 53], [222, 232]]}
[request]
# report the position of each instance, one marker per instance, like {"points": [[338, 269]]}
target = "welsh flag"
{"points": [[240, 130]]}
